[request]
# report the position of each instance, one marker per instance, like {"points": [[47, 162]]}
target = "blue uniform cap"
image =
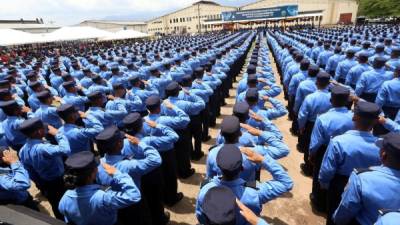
{"points": [[30, 125], [44, 95], [253, 62], [9, 104], [186, 79], [96, 78], [241, 108], [323, 77], [199, 70], [390, 143], [134, 78], [252, 95], [229, 159], [251, 69], [5, 82], [173, 87], [219, 206], [95, 95], [109, 135], [367, 110], [132, 119], [230, 125], [252, 79], [118, 86], [153, 102], [4, 92], [81, 161], [340, 91], [65, 110], [68, 84]]}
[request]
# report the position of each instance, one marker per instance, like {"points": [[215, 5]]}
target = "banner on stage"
{"points": [[265, 13]]}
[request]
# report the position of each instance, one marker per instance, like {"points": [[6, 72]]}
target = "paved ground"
{"points": [[291, 209]]}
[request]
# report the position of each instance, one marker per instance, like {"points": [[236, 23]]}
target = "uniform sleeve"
{"points": [[360, 85], [280, 183], [93, 127], [197, 104], [151, 160], [275, 147], [393, 126], [331, 161], [318, 137], [349, 77], [351, 201], [279, 109], [382, 96], [19, 181], [62, 148], [261, 222], [210, 172], [338, 71], [298, 100], [166, 137], [126, 195], [303, 114]]}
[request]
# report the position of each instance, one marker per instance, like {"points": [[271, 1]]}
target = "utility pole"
{"points": [[198, 15]]}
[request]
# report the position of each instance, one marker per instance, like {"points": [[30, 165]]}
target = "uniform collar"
{"points": [[340, 109], [233, 183], [387, 170], [360, 133], [113, 159]]}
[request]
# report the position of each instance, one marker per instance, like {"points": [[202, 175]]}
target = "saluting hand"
{"points": [[151, 123], [168, 104], [52, 130], [247, 213], [9, 157], [250, 129], [82, 114], [132, 139], [25, 109], [255, 116], [110, 170], [382, 120], [252, 155]]}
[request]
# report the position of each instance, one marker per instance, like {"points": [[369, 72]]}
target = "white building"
{"points": [[188, 20], [205, 16], [116, 25], [31, 26]]}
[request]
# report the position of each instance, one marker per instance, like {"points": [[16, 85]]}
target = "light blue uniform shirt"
{"points": [[91, 205], [351, 150], [14, 183], [355, 73], [305, 88], [252, 198], [390, 218], [366, 193], [314, 104], [389, 94], [371, 81], [329, 125]]}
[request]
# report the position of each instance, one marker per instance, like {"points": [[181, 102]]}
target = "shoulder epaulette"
{"points": [[205, 182], [251, 184], [212, 147], [385, 211], [362, 170]]}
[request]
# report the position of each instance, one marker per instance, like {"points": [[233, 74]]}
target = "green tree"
{"points": [[379, 8]]}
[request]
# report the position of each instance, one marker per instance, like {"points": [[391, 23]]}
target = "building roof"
{"points": [[119, 22], [21, 26], [194, 4]]}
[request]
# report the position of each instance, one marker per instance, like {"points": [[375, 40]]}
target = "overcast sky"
{"points": [[68, 12]]}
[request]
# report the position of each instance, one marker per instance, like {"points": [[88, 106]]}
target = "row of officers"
{"points": [[141, 156], [338, 127]]}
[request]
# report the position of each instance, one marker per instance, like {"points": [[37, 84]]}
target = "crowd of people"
{"points": [[105, 131]]}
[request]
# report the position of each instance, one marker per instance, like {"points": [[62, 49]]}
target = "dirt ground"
{"points": [[292, 209]]}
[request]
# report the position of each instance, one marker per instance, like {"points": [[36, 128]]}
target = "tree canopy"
{"points": [[379, 8]]}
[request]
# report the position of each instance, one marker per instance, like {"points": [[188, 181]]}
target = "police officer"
{"points": [[370, 82], [373, 188], [73, 97], [163, 139], [79, 138], [335, 122], [355, 72], [131, 156], [171, 116], [192, 105], [86, 203], [354, 149], [230, 162], [389, 99], [14, 181], [11, 124], [313, 105], [44, 161], [344, 66]]}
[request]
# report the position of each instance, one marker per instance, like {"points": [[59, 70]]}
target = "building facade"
{"points": [[206, 15], [333, 11], [113, 26], [30, 26], [188, 20]]}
